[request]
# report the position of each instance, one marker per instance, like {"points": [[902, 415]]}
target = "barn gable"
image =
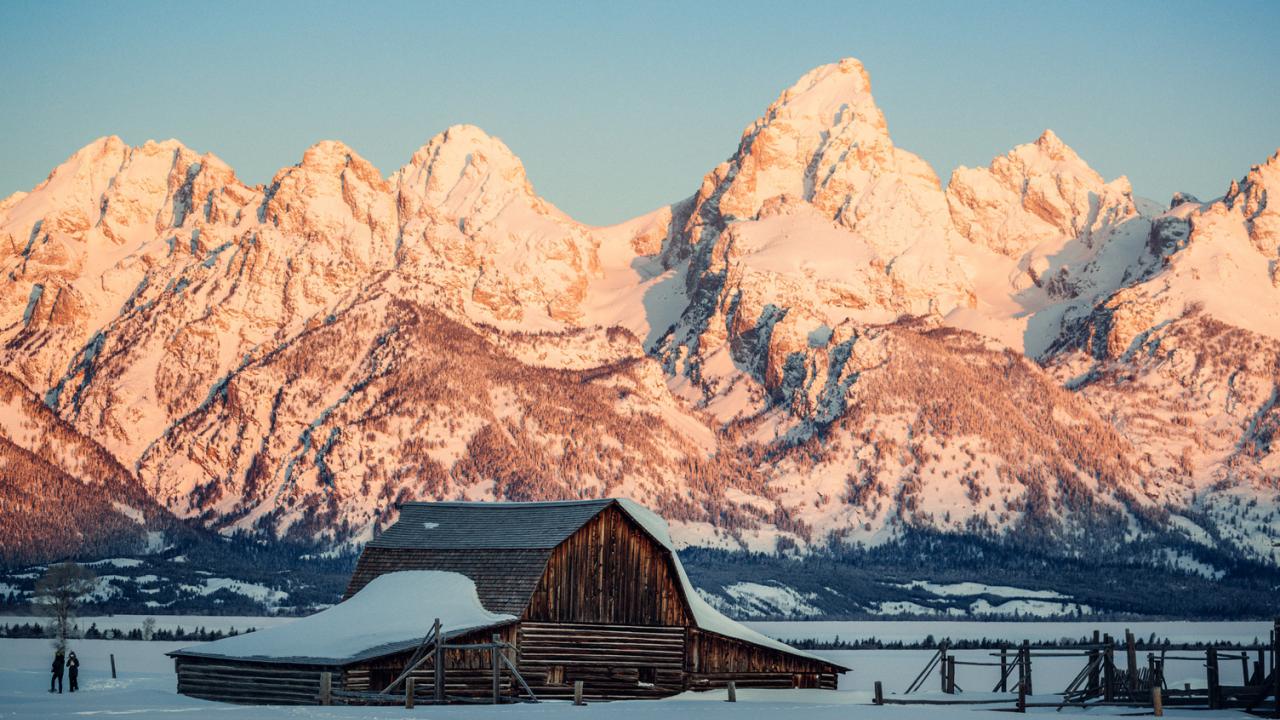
{"points": [[610, 572]]}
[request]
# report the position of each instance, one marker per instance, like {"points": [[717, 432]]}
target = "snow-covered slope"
{"points": [[1049, 236], [820, 344]]}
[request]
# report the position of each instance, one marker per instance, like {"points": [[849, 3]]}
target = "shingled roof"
{"points": [[503, 547], [488, 525]]}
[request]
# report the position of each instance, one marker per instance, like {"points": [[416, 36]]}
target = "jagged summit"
{"points": [[464, 139], [465, 171], [1035, 193], [824, 141], [823, 92], [1053, 146]]}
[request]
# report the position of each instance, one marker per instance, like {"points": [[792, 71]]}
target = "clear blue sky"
{"points": [[618, 109]]}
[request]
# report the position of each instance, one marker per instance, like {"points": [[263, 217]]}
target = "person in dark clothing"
{"points": [[59, 661], [73, 671]]}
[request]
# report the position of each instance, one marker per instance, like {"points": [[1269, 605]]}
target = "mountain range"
{"points": [[823, 347]]}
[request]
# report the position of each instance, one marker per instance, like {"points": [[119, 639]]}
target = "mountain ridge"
{"points": [[820, 346]]}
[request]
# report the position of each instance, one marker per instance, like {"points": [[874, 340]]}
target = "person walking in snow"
{"points": [[59, 661], [73, 671]]}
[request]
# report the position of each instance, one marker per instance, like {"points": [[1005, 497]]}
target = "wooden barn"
{"points": [[531, 597]]}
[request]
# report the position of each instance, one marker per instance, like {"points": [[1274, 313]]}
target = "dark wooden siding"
{"points": [[504, 578], [250, 683], [714, 660], [608, 572], [612, 661]]}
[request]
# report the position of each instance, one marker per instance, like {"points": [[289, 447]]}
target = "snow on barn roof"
{"points": [[388, 615]]}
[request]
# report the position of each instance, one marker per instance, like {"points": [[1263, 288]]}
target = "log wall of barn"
{"points": [[613, 661], [608, 572], [250, 683], [714, 660]]}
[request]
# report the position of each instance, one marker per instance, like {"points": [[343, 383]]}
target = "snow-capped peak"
{"points": [[823, 94], [465, 172], [1037, 192]]}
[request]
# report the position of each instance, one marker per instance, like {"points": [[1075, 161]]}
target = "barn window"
{"points": [[648, 675], [555, 675]]}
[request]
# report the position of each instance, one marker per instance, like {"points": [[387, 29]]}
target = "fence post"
{"points": [[1211, 671], [879, 697], [1022, 672], [733, 692], [1093, 664], [408, 693], [326, 688], [1275, 667], [1026, 649], [493, 653], [1131, 658], [1022, 695], [942, 665], [1108, 669], [438, 684], [1157, 702], [951, 675], [1004, 669], [577, 692], [113, 666]]}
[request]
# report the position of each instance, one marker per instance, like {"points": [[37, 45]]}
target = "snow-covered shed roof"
{"points": [[389, 615]]}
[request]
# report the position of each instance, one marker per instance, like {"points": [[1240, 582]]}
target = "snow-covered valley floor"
{"points": [[145, 687]]}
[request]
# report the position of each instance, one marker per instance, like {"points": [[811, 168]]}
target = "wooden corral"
{"points": [[1104, 681], [596, 595]]}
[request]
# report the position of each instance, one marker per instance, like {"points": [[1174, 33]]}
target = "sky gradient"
{"points": [[616, 110]]}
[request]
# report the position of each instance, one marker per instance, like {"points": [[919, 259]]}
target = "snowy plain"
{"points": [[145, 688], [1176, 631]]}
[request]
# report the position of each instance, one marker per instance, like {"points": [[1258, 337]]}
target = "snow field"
{"points": [[145, 690]]}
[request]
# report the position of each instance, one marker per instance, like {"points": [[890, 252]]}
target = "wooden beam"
{"points": [[1131, 658], [1211, 672], [493, 655], [439, 668], [1275, 668], [1003, 685], [1094, 673]]}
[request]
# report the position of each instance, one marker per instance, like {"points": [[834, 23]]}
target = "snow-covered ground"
{"points": [[145, 691], [145, 688]]}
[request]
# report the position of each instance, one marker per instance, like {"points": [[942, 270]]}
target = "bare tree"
{"points": [[58, 593]]}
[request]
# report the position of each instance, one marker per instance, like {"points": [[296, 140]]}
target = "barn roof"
{"points": [[462, 537], [488, 525]]}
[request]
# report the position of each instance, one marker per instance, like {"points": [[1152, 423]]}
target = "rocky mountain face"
{"points": [[62, 493], [822, 346]]}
